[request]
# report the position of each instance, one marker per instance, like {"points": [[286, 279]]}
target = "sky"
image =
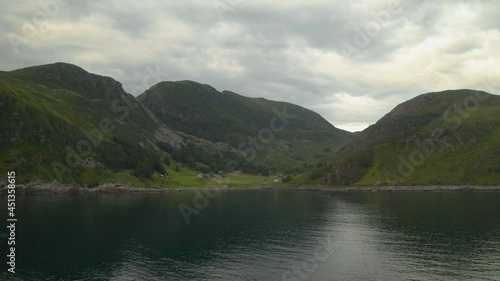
{"points": [[350, 61]]}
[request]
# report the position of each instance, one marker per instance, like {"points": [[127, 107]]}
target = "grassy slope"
{"points": [[30, 115], [45, 110], [40, 119], [468, 153], [186, 177]]}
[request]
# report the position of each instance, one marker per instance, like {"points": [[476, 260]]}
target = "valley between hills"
{"points": [[61, 125]]}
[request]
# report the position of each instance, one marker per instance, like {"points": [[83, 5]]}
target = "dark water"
{"points": [[258, 235]]}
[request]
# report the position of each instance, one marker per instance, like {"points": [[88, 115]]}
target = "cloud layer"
{"points": [[351, 61]]}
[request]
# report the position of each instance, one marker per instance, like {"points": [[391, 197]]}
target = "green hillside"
{"points": [[285, 136], [450, 137], [59, 122], [62, 123], [202, 111]]}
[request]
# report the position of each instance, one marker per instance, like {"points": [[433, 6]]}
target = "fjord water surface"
{"points": [[258, 235]]}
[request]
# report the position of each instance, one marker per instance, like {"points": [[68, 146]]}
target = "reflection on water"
{"points": [[260, 235]]}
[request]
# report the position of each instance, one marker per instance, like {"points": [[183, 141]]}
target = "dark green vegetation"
{"points": [[59, 122], [279, 135], [202, 111], [450, 137]]}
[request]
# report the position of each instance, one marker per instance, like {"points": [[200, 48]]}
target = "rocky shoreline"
{"points": [[415, 188], [38, 188]]}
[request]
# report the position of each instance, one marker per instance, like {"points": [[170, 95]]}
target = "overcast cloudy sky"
{"points": [[350, 61]]}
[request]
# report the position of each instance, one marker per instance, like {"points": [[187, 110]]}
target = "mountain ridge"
{"points": [[60, 106], [60, 122]]}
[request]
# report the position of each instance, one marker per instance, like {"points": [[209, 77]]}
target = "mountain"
{"points": [[450, 137], [280, 134], [60, 122]]}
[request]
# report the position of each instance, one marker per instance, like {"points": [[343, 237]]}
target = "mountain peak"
{"points": [[51, 68], [454, 130], [204, 112], [435, 102], [186, 88], [67, 76]]}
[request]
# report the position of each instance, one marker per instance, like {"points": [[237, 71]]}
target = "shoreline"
{"points": [[53, 189], [411, 188]]}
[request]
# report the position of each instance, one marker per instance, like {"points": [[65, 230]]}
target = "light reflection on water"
{"points": [[260, 235]]}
